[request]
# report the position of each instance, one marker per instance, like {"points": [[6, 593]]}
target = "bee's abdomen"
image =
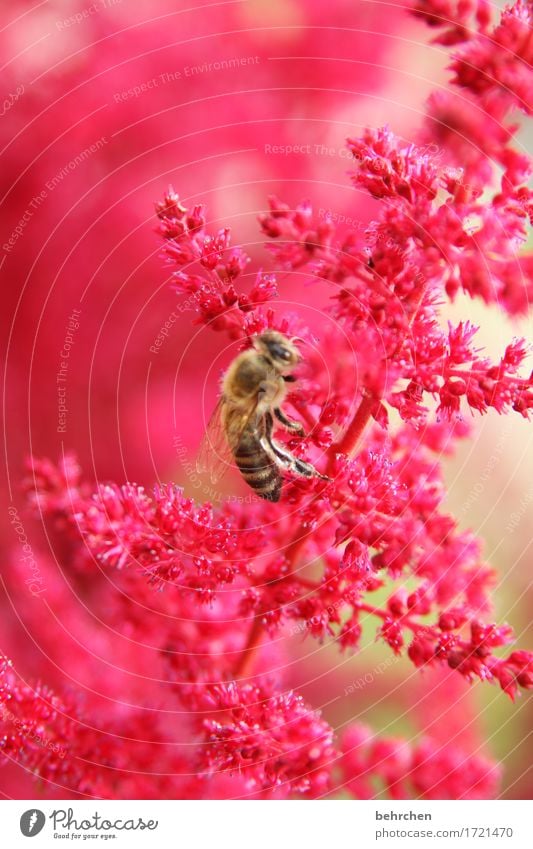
{"points": [[258, 470]]}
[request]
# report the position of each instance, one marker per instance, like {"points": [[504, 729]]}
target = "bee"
{"points": [[253, 390]]}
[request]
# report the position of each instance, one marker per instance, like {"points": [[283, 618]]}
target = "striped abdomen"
{"points": [[257, 468]]}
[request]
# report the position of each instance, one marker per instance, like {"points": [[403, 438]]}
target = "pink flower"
{"points": [[151, 98], [166, 537], [498, 64], [462, 15], [423, 770], [270, 739], [204, 591], [50, 736]]}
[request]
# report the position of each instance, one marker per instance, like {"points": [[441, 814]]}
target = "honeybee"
{"points": [[253, 389]]}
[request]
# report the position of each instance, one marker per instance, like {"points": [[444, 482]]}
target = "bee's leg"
{"points": [[282, 457], [291, 425], [266, 398]]}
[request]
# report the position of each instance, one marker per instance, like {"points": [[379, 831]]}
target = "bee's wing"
{"points": [[221, 438], [214, 453]]}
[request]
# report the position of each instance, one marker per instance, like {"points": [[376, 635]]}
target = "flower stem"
{"points": [[350, 440], [246, 657], [346, 445]]}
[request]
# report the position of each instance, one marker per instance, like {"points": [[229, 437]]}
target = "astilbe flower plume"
{"points": [[272, 737], [232, 577], [50, 736], [427, 769]]}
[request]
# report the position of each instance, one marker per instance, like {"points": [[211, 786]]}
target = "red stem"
{"points": [[405, 620], [354, 432], [346, 445], [246, 656]]}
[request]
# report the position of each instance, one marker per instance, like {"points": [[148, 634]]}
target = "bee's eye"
{"points": [[280, 352]]}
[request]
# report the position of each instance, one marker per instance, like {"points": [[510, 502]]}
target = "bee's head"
{"points": [[282, 352]]}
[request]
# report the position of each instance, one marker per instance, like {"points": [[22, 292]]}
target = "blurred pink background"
{"points": [[105, 104]]}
